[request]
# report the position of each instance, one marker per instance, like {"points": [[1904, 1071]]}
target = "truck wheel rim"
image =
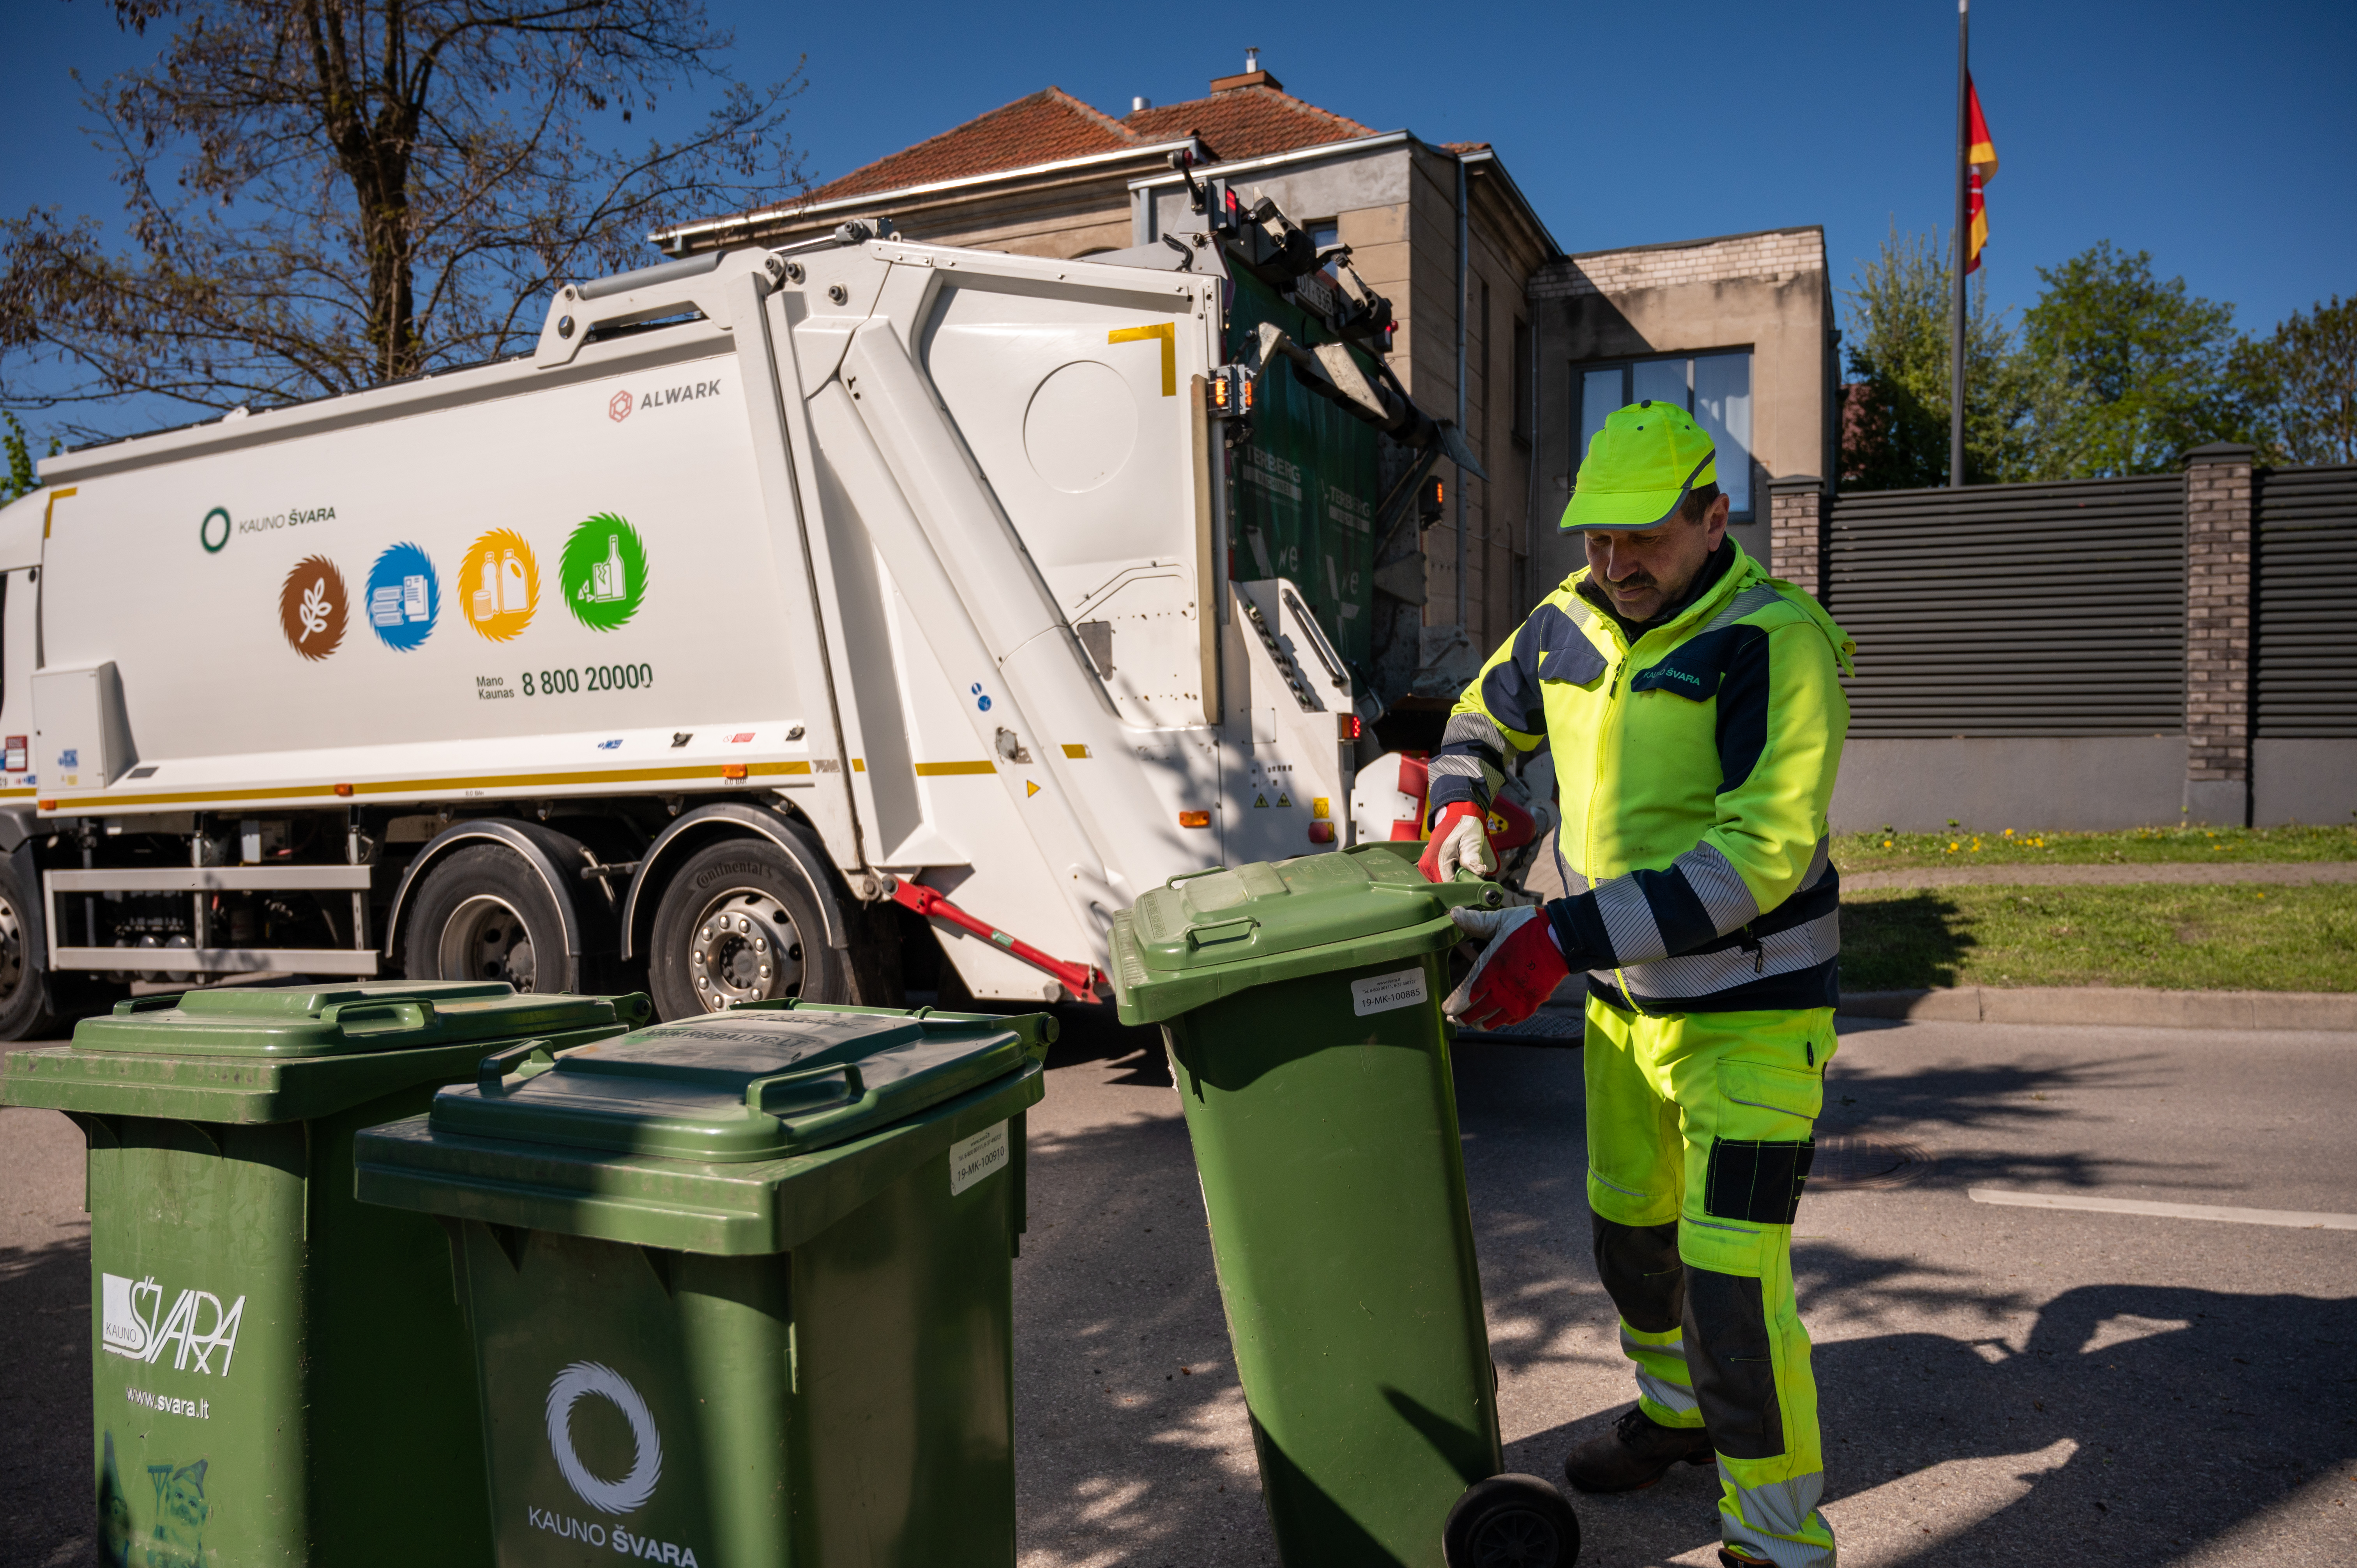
{"points": [[744, 947], [12, 950], [484, 938]]}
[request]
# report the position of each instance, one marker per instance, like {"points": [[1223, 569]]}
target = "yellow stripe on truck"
{"points": [[398, 787]]}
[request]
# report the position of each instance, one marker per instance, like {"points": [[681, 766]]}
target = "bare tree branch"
{"points": [[325, 195]]}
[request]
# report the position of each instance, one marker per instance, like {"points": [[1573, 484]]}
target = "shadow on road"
{"points": [[45, 1418]]}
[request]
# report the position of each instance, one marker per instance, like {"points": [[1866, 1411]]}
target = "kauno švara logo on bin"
{"points": [[132, 1324], [581, 1381]]}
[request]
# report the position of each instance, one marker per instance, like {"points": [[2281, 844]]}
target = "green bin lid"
{"points": [[1210, 934], [300, 1021], [738, 1086]]}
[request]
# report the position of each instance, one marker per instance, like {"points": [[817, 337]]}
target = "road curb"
{"points": [[2117, 1006]]}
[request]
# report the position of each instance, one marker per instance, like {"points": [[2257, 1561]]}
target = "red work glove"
{"points": [[1459, 838], [1520, 968]]}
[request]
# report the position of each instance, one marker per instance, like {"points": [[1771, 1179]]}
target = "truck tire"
{"points": [[24, 1012], [737, 923], [483, 914]]}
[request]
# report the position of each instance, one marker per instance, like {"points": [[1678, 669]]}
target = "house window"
{"points": [[1325, 234], [1714, 388]]}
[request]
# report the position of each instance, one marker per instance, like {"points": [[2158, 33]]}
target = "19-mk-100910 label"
{"points": [[588, 678]]}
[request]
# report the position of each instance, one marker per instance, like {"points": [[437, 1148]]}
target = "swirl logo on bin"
{"points": [[404, 597], [579, 1381]]}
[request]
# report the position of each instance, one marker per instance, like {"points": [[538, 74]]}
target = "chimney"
{"points": [[1253, 76], [1140, 105]]}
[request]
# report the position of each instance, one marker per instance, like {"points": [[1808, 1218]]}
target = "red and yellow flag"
{"points": [[1982, 155]]}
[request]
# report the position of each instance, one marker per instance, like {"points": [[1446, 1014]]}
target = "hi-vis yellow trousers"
{"points": [[1699, 1137]]}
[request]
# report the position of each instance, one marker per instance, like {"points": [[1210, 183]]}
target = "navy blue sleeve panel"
{"points": [[1505, 707], [1635, 918], [1743, 697]]}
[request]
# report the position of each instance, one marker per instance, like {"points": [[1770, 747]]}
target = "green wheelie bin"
{"points": [[741, 1286], [280, 1374], [1300, 1001]]}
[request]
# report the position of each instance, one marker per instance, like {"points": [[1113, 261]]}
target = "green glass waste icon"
{"points": [[604, 572]]}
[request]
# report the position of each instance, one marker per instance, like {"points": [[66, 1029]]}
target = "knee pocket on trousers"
{"points": [[1732, 1358], [1756, 1181], [1638, 1265]]}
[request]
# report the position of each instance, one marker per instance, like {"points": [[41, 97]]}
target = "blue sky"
{"points": [[2222, 139]]}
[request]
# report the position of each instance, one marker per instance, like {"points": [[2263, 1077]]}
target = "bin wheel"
{"points": [[483, 914], [1511, 1522], [737, 924]]}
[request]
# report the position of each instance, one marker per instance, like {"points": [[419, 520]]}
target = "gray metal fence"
{"points": [[2304, 644], [2014, 609]]}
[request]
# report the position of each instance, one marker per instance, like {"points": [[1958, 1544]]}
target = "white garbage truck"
{"points": [[852, 618]]}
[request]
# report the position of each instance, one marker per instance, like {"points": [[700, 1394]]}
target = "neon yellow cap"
{"points": [[1640, 468]]}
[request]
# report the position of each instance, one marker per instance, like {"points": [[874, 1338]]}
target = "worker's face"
{"points": [[1645, 570]]}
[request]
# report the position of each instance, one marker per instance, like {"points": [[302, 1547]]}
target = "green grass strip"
{"points": [[2226, 937], [1891, 851]]}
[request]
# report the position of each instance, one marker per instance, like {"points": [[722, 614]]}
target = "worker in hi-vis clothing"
{"points": [[1697, 717]]}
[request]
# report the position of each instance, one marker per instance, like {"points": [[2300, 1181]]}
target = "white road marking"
{"points": [[2297, 1219]]}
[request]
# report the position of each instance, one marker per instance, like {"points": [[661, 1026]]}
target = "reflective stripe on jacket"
{"points": [[1694, 768]]}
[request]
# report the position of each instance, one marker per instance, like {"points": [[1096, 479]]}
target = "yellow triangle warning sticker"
{"points": [[1283, 801], [1260, 799], [1030, 787]]}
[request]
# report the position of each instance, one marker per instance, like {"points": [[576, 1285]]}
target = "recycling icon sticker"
{"points": [[314, 607], [604, 572]]}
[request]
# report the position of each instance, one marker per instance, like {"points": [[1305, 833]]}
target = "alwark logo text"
{"points": [[131, 1324], [691, 393]]}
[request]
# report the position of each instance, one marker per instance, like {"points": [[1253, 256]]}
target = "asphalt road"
{"points": [[1999, 1385]]}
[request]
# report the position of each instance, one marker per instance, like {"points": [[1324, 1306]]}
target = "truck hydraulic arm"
{"points": [[1083, 982]]}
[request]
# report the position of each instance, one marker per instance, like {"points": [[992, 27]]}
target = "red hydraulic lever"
{"points": [[1080, 979]]}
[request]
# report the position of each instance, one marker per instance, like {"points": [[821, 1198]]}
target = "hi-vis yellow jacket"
{"points": [[1694, 769]]}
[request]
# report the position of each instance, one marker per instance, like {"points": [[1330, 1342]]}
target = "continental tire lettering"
{"points": [[712, 873]]}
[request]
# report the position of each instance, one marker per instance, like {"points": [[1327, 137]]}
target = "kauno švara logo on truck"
{"points": [[130, 1323], [625, 1495]]}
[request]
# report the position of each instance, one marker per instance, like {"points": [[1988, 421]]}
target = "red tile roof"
{"points": [[1052, 125], [1246, 123], [1045, 127]]}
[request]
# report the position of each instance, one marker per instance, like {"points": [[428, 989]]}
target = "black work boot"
{"points": [[1637, 1452]]}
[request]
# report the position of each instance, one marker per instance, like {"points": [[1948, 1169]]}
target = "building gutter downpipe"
{"points": [[1462, 272]]}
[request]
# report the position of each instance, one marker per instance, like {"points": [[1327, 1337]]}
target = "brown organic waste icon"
{"points": [[311, 607]]}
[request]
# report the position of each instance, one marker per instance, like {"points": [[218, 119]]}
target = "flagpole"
{"points": [[1963, 238]]}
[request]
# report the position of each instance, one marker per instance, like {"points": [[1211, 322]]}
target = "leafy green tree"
{"points": [[18, 449], [325, 195], [2145, 365], [2301, 384], [1895, 428]]}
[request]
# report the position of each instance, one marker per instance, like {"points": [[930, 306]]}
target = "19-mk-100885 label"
{"points": [[588, 678]]}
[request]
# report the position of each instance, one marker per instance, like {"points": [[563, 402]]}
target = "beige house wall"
{"points": [[1769, 292]]}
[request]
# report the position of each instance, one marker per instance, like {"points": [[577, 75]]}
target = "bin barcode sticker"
{"points": [[970, 1159], [1386, 993]]}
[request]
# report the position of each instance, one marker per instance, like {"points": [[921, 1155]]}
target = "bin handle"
{"points": [[528, 1061], [756, 1092], [379, 1017]]}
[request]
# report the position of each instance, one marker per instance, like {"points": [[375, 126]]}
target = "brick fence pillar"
{"points": [[2219, 588], [1797, 512]]}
